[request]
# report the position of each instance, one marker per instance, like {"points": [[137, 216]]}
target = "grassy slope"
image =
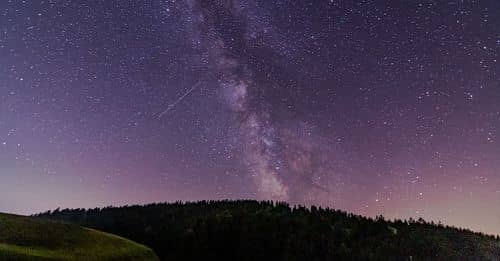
{"points": [[24, 238]]}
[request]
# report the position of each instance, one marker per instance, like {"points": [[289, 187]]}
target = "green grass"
{"points": [[25, 238]]}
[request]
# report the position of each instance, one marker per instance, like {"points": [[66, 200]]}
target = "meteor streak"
{"points": [[171, 106]]}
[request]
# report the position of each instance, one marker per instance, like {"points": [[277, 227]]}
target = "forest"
{"points": [[266, 230]]}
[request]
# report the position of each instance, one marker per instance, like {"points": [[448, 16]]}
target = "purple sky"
{"points": [[373, 108]]}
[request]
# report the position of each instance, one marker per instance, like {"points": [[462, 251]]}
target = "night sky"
{"points": [[371, 107]]}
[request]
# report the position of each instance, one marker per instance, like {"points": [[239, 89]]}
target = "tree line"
{"points": [[266, 230]]}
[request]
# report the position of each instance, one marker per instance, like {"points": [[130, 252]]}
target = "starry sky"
{"points": [[374, 107]]}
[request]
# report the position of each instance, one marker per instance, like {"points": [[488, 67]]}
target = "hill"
{"points": [[26, 238], [252, 230]]}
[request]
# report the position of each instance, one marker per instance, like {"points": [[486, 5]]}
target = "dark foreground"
{"points": [[251, 230]]}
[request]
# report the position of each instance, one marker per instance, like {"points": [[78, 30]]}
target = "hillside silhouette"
{"points": [[253, 230]]}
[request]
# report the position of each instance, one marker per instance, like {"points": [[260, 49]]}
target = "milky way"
{"points": [[371, 107]]}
